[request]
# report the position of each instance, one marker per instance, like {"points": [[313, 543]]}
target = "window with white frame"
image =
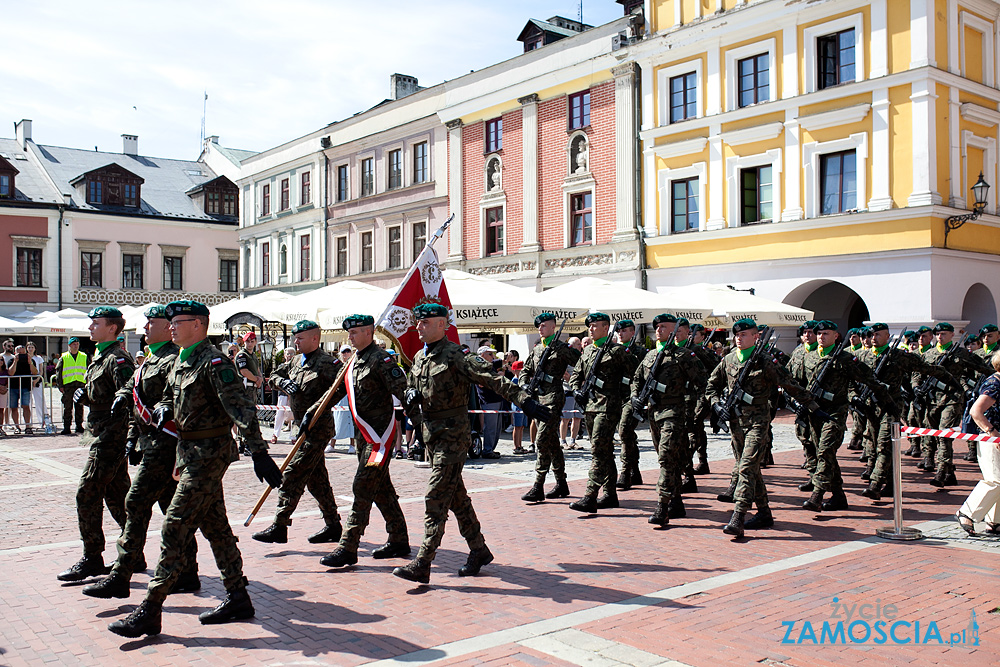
{"points": [[688, 103], [684, 205], [173, 273], [835, 175], [494, 230], [29, 267], [367, 252], [419, 238], [683, 97], [834, 52], [682, 193], [420, 162], [343, 194], [750, 74], [305, 258], [367, 176], [395, 247], [340, 244], [976, 48], [395, 169], [581, 218], [754, 188]]}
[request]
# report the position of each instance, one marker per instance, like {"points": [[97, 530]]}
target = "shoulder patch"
{"points": [[387, 359], [216, 361], [227, 375], [396, 372], [121, 360]]}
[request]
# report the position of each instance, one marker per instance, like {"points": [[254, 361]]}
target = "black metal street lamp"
{"points": [[979, 191]]}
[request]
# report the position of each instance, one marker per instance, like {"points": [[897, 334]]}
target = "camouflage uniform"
{"points": [[678, 372], [698, 406], [749, 429], [442, 374], [602, 412], [245, 360], [377, 378], [635, 352], [206, 395], [550, 393], [154, 481], [105, 477], [313, 373], [928, 445], [802, 426]]}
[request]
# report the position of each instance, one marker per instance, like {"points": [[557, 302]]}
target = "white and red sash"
{"points": [[145, 414], [381, 449]]}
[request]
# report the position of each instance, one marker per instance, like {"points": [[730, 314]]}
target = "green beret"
{"points": [[865, 332], [156, 312], [597, 317], [73, 339], [943, 326], [683, 322], [664, 317], [879, 326], [695, 328], [544, 317], [924, 329], [185, 307], [624, 324], [910, 336], [988, 328], [104, 311], [808, 325], [426, 310], [357, 321], [825, 325], [852, 332], [744, 324], [304, 325]]}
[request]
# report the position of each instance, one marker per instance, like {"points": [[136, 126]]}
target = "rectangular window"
{"points": [[367, 252], [684, 212], [494, 135], [305, 194], [757, 201], [419, 238], [284, 195], [341, 255], [265, 200], [581, 219], [265, 263], [395, 247], [835, 58], [754, 80], [342, 193], [90, 269], [132, 271], [305, 268], [130, 192], [173, 273], [212, 203], [227, 275], [5, 185], [420, 162], [838, 182], [494, 231], [395, 169], [683, 97], [367, 177], [579, 110], [229, 204], [95, 192], [29, 267]]}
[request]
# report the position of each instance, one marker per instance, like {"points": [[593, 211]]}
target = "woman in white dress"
{"points": [[284, 412], [37, 392]]}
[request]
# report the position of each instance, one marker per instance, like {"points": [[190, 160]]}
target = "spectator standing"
{"points": [[519, 420], [37, 392], [343, 422], [492, 402], [8, 358]]}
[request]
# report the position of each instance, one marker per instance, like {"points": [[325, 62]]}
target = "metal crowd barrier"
{"points": [[40, 416]]}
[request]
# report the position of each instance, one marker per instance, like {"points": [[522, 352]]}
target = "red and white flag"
{"points": [[423, 283]]}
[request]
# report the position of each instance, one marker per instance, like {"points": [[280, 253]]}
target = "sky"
{"points": [[87, 72]]}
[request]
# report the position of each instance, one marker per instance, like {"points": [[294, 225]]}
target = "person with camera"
{"points": [[21, 371]]}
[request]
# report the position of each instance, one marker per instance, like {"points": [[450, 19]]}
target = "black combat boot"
{"points": [[863, 458], [815, 502], [237, 606], [702, 467], [728, 495], [624, 479], [330, 534], [188, 582], [762, 519], [675, 510], [690, 485], [418, 570], [86, 567], [659, 517], [855, 444], [806, 486], [587, 505], [735, 525], [927, 464], [340, 557], [145, 620], [872, 491], [140, 564], [112, 586], [560, 490], [272, 534], [636, 475], [537, 492], [608, 501], [836, 502], [477, 558], [971, 454], [768, 458], [392, 550], [939, 478], [950, 479], [887, 490], [867, 474]]}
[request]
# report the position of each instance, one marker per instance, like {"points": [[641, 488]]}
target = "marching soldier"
{"points": [[602, 409], [749, 429], [807, 338], [944, 401], [857, 348], [701, 406], [105, 478], [990, 336], [676, 373], [896, 371], [827, 430], [695, 392], [922, 447], [373, 379], [71, 373], [203, 396], [550, 394], [305, 378], [155, 452], [635, 352], [439, 383]]}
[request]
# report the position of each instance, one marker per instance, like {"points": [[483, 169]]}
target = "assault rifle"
{"points": [[816, 389], [641, 402], [582, 395], [920, 393], [730, 405], [536, 379], [865, 401]]}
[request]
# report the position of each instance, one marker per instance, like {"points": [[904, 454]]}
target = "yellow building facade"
{"points": [[813, 151]]}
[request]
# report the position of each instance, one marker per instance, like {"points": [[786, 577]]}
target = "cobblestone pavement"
{"points": [[565, 589]]}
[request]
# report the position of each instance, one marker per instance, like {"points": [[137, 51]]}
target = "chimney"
{"points": [[130, 144], [214, 139], [401, 85], [22, 131]]}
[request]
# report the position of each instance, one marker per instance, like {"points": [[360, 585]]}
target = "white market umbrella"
{"points": [[266, 305], [622, 301], [484, 303], [9, 326], [330, 305], [68, 321], [729, 305]]}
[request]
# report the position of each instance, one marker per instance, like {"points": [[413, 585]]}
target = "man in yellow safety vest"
{"points": [[71, 372]]}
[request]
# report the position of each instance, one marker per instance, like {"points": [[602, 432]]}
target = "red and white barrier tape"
{"points": [[274, 408], [945, 433]]}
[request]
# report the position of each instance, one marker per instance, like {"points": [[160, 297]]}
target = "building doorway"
{"points": [[831, 300], [979, 307]]}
